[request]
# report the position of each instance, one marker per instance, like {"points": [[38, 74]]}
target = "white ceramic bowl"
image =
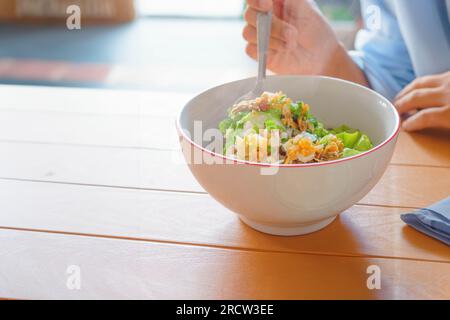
{"points": [[292, 199]]}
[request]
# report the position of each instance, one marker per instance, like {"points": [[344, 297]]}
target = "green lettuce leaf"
{"points": [[349, 139], [363, 143], [350, 153]]}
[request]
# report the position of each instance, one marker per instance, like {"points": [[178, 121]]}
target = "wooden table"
{"points": [[93, 180]]}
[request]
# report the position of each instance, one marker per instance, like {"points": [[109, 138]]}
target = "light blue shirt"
{"points": [[402, 40]]}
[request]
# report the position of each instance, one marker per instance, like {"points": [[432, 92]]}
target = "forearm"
{"points": [[342, 66]]}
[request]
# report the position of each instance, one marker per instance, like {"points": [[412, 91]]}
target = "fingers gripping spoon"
{"points": [[264, 21]]}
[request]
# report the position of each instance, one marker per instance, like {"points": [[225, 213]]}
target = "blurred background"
{"points": [[157, 45]]}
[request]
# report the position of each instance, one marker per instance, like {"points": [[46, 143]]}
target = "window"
{"points": [[191, 8], [337, 10]]}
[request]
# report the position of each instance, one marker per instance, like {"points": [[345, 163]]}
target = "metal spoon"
{"points": [[264, 21]]}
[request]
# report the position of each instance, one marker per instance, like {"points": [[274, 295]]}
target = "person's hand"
{"points": [[302, 41], [428, 100]]}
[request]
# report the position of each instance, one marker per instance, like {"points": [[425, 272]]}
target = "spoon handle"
{"points": [[264, 22]]}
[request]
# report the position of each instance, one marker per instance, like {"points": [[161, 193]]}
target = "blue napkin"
{"points": [[433, 221]]}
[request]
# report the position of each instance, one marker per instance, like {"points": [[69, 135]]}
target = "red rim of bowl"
{"points": [[303, 165]]}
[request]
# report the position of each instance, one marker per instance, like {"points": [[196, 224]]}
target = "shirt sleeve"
{"points": [[381, 51]]}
